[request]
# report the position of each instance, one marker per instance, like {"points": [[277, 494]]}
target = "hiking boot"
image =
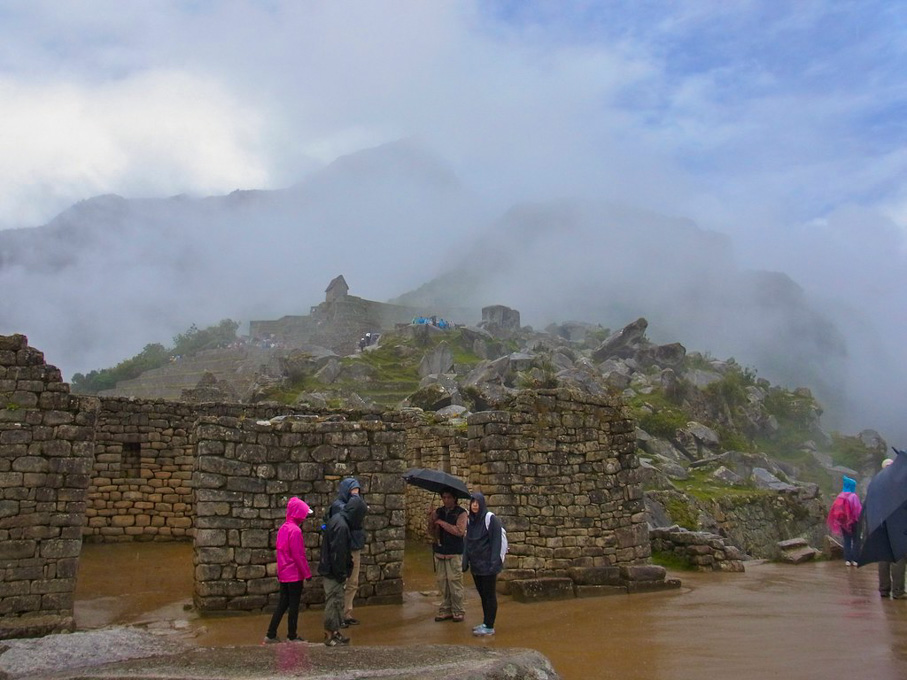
{"points": [[270, 640], [482, 631], [335, 639]]}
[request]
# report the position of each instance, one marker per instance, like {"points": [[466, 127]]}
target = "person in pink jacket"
{"points": [[292, 570]]}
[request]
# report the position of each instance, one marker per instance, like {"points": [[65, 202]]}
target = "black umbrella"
{"points": [[884, 519], [437, 481]]}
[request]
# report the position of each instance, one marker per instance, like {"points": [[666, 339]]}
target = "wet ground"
{"points": [[820, 620]]}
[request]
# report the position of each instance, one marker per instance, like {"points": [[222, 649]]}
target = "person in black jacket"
{"points": [[483, 556], [336, 565], [447, 529], [350, 487]]}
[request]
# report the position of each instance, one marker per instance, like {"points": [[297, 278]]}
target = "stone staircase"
{"points": [[237, 367]]}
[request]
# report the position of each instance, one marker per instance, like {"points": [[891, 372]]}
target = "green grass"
{"points": [[671, 561]]}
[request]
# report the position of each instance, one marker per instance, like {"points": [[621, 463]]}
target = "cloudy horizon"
{"points": [[778, 124]]}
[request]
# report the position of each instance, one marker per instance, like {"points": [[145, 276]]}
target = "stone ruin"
{"points": [[559, 467]]}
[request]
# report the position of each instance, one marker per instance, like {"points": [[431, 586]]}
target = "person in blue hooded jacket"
{"points": [[482, 555], [350, 487]]}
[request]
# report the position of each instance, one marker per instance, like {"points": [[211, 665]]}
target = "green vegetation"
{"points": [[669, 560], [851, 452], [156, 355], [386, 375], [682, 512]]}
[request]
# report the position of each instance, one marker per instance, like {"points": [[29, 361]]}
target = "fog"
{"points": [[665, 155]]}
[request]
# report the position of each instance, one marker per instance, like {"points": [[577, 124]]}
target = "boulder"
{"points": [[624, 342], [437, 361]]}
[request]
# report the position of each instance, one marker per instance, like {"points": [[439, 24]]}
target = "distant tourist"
{"points": [[844, 520], [336, 566], [447, 529], [891, 574], [483, 556], [292, 571], [350, 488]]}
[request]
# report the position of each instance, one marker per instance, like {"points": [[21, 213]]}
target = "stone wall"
{"points": [[752, 520], [45, 458], [246, 471], [435, 446], [701, 550], [141, 478], [560, 469]]}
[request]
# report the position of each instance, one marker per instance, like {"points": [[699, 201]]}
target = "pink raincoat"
{"points": [[844, 513], [292, 564]]}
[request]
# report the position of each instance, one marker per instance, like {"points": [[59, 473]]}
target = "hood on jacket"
{"points": [[345, 492], [354, 511], [850, 485], [483, 508], [297, 510]]}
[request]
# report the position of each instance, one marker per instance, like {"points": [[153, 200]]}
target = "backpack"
{"points": [[504, 545]]}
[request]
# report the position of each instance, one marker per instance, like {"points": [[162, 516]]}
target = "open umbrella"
{"points": [[884, 519], [436, 480]]}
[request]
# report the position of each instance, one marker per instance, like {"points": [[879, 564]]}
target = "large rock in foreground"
{"points": [[439, 662]]}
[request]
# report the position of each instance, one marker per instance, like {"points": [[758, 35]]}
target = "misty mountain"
{"points": [[608, 264], [110, 275]]}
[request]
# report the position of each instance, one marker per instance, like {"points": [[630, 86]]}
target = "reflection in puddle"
{"points": [[806, 621]]}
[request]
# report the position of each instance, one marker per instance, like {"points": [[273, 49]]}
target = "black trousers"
{"points": [[290, 595], [487, 587]]}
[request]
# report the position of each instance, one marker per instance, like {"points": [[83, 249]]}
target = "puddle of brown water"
{"points": [[819, 620]]}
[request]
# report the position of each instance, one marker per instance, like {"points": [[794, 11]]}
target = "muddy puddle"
{"points": [[819, 620]]}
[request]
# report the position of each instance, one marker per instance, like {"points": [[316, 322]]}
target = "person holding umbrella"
{"points": [[447, 527], [891, 574]]}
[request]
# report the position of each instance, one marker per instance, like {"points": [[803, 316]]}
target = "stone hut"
{"points": [[336, 290]]}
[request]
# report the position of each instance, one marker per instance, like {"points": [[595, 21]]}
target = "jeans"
{"points": [[487, 587], [851, 546], [290, 594]]}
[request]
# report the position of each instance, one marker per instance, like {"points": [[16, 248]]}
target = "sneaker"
{"points": [[902, 596], [270, 640], [457, 618], [443, 617], [296, 639], [482, 631], [335, 639], [350, 621], [475, 628]]}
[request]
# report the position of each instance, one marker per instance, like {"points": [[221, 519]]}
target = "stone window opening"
{"points": [[132, 459]]}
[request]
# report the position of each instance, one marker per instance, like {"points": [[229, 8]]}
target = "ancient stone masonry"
{"points": [[245, 472], [560, 470], [700, 549], [141, 477], [45, 459]]}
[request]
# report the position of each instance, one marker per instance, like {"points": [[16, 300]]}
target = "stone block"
{"points": [[642, 572], [599, 591], [595, 576], [535, 590], [652, 586], [17, 550]]}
